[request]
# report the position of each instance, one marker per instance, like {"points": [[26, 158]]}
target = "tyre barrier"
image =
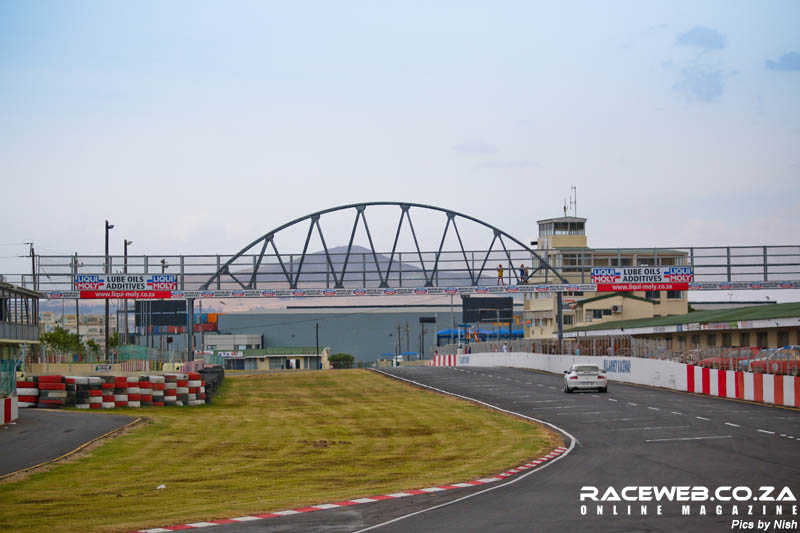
{"points": [[109, 392]]}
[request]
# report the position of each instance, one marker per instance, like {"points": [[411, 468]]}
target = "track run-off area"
{"points": [[632, 436]]}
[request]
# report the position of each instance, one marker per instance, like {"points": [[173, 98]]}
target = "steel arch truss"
{"points": [[265, 246]]}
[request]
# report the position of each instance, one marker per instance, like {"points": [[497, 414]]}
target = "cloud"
{"points": [[702, 37], [476, 148], [701, 82], [787, 62]]}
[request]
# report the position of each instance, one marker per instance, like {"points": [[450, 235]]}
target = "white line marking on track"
{"points": [[612, 400], [648, 428], [765, 431], [631, 403], [621, 419], [702, 418], [654, 408], [588, 413], [733, 425], [692, 438], [676, 413]]}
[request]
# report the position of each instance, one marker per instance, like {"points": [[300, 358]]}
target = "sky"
{"points": [[196, 127]]}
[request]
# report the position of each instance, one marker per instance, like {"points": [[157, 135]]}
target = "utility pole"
{"points": [[107, 270], [125, 270], [399, 346], [408, 345], [33, 268], [316, 334], [77, 310]]}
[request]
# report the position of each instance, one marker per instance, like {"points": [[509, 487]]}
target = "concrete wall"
{"points": [[655, 372]]}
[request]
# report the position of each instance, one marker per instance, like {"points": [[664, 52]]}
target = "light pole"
{"points": [[125, 270], [107, 270]]}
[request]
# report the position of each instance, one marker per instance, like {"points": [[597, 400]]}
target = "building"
{"points": [[19, 336], [90, 327], [19, 321], [764, 326], [562, 242]]}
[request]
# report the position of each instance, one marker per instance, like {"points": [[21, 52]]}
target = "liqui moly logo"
{"points": [[298, 292], [756, 285], [572, 288], [606, 275], [161, 282], [268, 294], [725, 285], [178, 294], [389, 292], [237, 294], [359, 292], [450, 290], [542, 288], [89, 282], [481, 290], [207, 294], [679, 274], [421, 290], [786, 285], [56, 295], [329, 292], [512, 288], [695, 286]]}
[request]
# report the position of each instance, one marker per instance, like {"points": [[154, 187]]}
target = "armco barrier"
{"points": [[9, 410], [765, 388]]}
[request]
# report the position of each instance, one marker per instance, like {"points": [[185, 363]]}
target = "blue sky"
{"points": [[197, 126]]}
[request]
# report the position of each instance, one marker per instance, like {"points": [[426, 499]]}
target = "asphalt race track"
{"points": [[631, 436], [40, 435]]}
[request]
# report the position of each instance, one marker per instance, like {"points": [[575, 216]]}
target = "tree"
{"points": [[61, 340], [341, 360], [113, 340], [93, 346]]}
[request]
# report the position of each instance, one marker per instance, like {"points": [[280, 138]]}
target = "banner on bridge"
{"points": [[642, 278]]}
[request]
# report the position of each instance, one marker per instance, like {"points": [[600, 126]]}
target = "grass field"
{"points": [[271, 442]]}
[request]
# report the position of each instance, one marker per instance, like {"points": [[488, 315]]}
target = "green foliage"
{"points": [[61, 340], [113, 340], [93, 346], [341, 360]]}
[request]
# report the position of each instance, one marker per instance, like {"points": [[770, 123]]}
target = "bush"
{"points": [[341, 360]]}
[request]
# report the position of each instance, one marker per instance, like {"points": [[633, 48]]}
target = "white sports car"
{"points": [[585, 377]]}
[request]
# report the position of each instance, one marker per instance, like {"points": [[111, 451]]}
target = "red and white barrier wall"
{"points": [[9, 409], [443, 360], [765, 388]]}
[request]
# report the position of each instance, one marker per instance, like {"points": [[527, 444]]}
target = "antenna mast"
{"points": [[573, 200]]}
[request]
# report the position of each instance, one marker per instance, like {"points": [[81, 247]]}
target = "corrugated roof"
{"points": [[757, 312]]}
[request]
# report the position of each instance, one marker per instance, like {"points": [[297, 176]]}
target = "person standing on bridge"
{"points": [[500, 275]]}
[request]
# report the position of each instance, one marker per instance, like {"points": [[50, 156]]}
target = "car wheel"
{"points": [[604, 389], [567, 389]]}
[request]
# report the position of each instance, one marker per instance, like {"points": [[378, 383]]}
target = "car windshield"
{"points": [[586, 369]]}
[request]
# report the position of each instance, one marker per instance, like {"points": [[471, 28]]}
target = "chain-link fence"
{"points": [[8, 370]]}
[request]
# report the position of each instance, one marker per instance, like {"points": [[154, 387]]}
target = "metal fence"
{"points": [[409, 269]]}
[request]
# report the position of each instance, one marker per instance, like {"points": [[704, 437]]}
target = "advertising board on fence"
{"points": [[125, 285], [643, 278]]}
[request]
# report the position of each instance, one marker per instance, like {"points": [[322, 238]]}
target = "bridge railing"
{"points": [[411, 269]]}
